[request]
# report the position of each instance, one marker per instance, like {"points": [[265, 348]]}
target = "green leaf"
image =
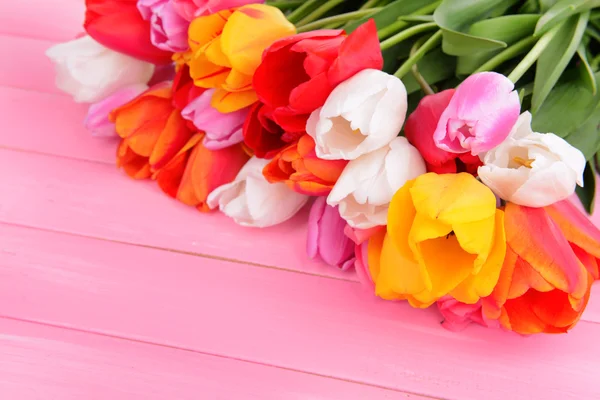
{"points": [[529, 7], [556, 56], [508, 29], [393, 55], [568, 107], [434, 67], [417, 18], [587, 193], [561, 11], [545, 5], [456, 16], [587, 73], [390, 13], [587, 137]]}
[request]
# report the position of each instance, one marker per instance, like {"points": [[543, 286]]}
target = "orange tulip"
{"points": [[152, 130], [226, 48], [298, 166], [545, 281], [196, 171]]}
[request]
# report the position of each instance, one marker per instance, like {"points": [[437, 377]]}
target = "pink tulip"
{"points": [[97, 121], [190, 9], [458, 315], [326, 237], [168, 29], [479, 116], [361, 237], [222, 130]]}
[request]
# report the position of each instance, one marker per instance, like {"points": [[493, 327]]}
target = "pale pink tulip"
{"points": [[326, 238], [97, 121], [480, 115], [222, 130]]}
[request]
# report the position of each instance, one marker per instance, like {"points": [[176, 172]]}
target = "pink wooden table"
{"points": [[110, 290]]}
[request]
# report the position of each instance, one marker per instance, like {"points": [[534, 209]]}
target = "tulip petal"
{"points": [[228, 102], [249, 31], [575, 226], [482, 283], [453, 198], [538, 240], [397, 274]]}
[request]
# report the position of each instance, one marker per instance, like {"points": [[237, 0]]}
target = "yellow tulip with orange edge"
{"points": [[226, 48], [445, 236]]}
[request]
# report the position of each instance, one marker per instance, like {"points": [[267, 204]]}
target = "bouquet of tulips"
{"points": [[440, 143]]}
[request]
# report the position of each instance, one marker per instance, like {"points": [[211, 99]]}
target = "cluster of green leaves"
{"points": [[549, 48]]}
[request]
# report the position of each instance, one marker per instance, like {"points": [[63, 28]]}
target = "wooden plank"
{"points": [[50, 123], [56, 20], [43, 362], [319, 325], [97, 200], [14, 53]]}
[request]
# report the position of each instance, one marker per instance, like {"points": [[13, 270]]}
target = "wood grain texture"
{"points": [[323, 326], [42, 362], [97, 200]]}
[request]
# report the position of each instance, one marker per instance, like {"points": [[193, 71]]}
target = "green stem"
{"points": [[595, 63], [335, 19], [369, 4], [415, 70], [320, 11], [506, 54], [285, 5], [405, 34], [432, 42], [400, 24], [533, 54], [299, 12]]}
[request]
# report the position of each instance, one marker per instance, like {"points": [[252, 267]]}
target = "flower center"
{"points": [[525, 162], [461, 130]]}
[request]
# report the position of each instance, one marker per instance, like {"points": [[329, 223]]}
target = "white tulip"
{"points": [[91, 72], [532, 169], [361, 115], [367, 184], [252, 201]]}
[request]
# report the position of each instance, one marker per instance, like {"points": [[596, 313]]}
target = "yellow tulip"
{"points": [[226, 48], [444, 237]]}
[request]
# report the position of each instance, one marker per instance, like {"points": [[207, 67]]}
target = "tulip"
{"points": [[458, 315], [252, 201], [532, 169], [90, 72], [361, 115], [196, 171], [168, 29], [419, 129], [264, 136], [136, 166], [367, 184], [184, 90], [97, 119], [444, 237], [225, 56], [363, 240], [545, 282], [118, 25], [326, 238], [151, 127], [221, 130], [480, 115], [299, 167], [190, 9]]}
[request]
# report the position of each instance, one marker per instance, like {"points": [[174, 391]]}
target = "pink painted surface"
{"points": [[111, 290]]}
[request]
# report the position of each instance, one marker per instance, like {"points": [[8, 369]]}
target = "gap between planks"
{"points": [[20, 329]]}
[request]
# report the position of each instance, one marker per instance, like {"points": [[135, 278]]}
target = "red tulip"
{"points": [[118, 25], [296, 76], [419, 129]]}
